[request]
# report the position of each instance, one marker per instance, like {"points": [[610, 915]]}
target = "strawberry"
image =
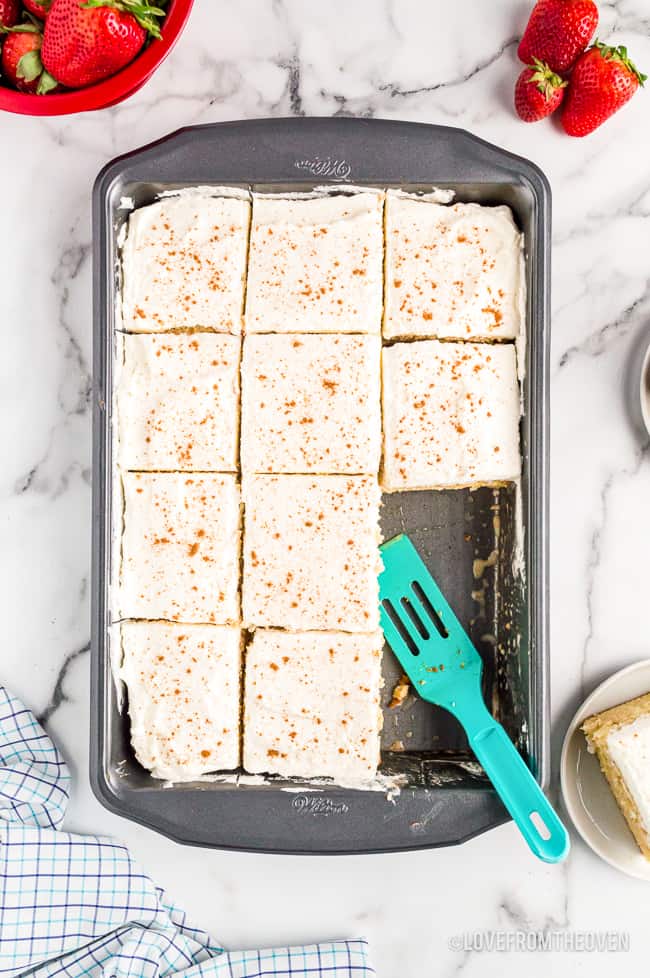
{"points": [[538, 92], [21, 60], [87, 40], [40, 8], [603, 80], [9, 12], [557, 32]]}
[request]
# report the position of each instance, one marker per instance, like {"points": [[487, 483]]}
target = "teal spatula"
{"points": [[444, 668]]}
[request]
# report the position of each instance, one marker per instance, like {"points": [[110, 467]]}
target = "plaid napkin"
{"points": [[74, 905]]}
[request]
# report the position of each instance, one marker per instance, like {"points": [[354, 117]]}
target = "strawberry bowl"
{"points": [[112, 90]]}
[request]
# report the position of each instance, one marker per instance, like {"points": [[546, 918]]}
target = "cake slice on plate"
{"points": [[620, 737]]}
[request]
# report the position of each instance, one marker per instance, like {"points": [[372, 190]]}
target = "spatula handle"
{"points": [[534, 815]]}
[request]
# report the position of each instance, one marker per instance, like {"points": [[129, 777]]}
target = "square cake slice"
{"points": [[311, 403], [312, 705], [452, 271], [184, 262], [183, 695], [311, 556], [180, 547], [316, 265], [620, 738], [451, 415], [178, 402]]}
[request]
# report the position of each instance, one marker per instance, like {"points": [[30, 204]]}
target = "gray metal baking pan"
{"points": [[467, 537]]}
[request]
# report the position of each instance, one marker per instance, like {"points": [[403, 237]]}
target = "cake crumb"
{"points": [[400, 692]]}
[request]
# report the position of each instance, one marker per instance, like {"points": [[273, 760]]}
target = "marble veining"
{"points": [[402, 59]]}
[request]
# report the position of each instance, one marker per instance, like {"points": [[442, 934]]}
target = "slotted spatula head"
{"points": [[422, 630]]}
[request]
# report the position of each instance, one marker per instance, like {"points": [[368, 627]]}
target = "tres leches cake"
{"points": [[311, 704], [183, 686], [451, 415], [180, 547], [316, 265], [311, 555], [184, 264], [309, 286], [310, 403], [178, 402], [620, 737], [452, 271]]}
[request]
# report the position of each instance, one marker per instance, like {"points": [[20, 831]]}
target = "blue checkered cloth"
{"points": [[77, 905]]}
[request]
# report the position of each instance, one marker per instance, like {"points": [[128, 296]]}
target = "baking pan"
{"points": [[468, 538]]}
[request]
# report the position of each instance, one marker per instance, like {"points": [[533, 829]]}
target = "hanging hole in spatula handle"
{"points": [[540, 825]]}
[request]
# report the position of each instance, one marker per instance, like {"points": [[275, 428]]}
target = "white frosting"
{"points": [[311, 403], [322, 190], [178, 402], [452, 271], [311, 554], [629, 748], [316, 265], [183, 264], [180, 547], [451, 414], [312, 705], [183, 695], [437, 195], [206, 190]]}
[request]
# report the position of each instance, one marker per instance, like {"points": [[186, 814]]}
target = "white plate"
{"points": [[638, 382], [586, 794]]}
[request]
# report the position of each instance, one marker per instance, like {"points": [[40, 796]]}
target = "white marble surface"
{"points": [[404, 59]]}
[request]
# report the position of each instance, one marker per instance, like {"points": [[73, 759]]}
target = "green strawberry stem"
{"points": [[619, 54], [144, 12], [46, 83], [30, 66], [20, 29], [546, 80]]}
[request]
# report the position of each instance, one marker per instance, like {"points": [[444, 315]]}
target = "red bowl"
{"points": [[114, 89]]}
